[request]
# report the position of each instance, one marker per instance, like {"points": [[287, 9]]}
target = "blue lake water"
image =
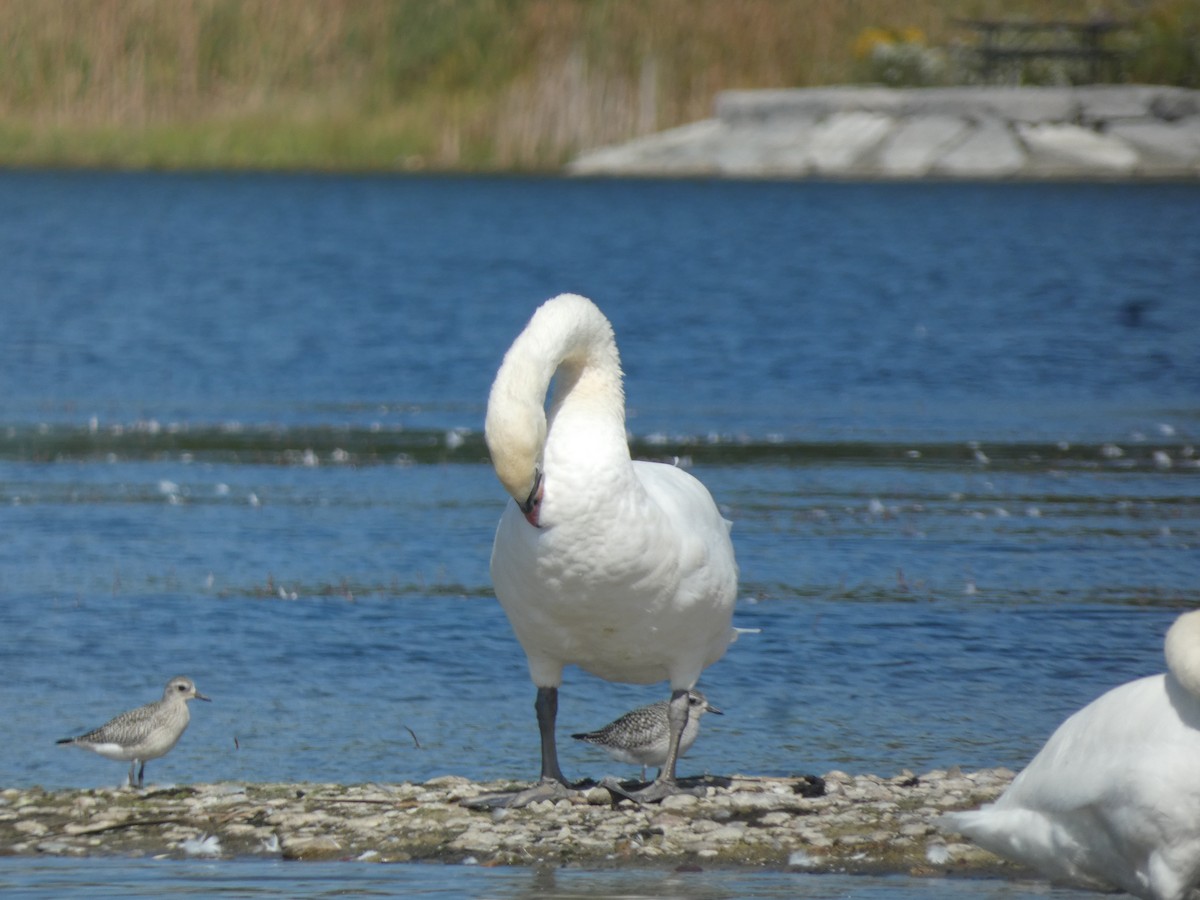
{"points": [[240, 418]]}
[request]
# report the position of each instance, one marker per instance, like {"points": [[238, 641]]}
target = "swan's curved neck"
{"points": [[1182, 649], [570, 341]]}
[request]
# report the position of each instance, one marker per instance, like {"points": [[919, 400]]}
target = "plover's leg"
{"points": [[664, 784], [141, 774], [132, 767]]}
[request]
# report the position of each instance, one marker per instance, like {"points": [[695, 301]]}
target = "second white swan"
{"points": [[1113, 799]]}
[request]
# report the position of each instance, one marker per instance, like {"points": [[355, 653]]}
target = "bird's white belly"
{"points": [[113, 751]]}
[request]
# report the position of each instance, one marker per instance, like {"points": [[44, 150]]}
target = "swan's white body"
{"points": [[622, 568], [1113, 799], [630, 576]]}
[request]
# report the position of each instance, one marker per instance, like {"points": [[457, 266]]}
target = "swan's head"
{"points": [[567, 339], [1182, 649], [516, 434]]}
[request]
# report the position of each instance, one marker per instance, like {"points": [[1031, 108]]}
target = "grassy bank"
{"points": [[423, 84]]}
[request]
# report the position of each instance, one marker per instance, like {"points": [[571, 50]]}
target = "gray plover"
{"points": [[621, 567], [642, 737], [145, 733]]}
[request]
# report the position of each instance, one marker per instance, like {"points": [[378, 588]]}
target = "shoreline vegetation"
{"points": [[468, 85], [836, 823]]}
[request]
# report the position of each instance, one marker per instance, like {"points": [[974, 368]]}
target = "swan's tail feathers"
{"points": [[1034, 839], [990, 828], [1006, 831], [957, 822]]}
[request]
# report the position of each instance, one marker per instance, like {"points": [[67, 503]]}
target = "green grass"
{"points": [[447, 84]]}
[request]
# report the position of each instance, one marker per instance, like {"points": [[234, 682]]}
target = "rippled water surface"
{"points": [[103, 879], [240, 439]]}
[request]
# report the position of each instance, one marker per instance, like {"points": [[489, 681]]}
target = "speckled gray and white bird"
{"points": [[145, 733], [642, 737]]}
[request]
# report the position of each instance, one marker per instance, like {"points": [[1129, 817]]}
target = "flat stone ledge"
{"points": [[1093, 132], [862, 823]]}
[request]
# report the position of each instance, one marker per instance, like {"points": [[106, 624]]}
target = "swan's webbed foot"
{"points": [[655, 792], [547, 789]]}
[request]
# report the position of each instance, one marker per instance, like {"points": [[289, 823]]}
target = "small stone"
{"points": [[599, 796], [320, 847], [680, 801], [726, 834], [774, 819]]}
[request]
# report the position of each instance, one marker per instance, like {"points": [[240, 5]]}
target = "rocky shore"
{"points": [[836, 823], [982, 133]]}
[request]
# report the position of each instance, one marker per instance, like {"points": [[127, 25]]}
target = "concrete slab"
{"points": [[960, 132], [1163, 148], [840, 142], [1179, 103], [1075, 151], [769, 149], [686, 150], [917, 143], [1012, 104], [990, 150], [1100, 103], [748, 107]]}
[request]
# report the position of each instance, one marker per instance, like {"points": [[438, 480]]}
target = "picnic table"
{"points": [[1005, 43]]}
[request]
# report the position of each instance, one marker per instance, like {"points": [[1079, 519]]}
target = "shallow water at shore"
{"points": [[254, 879]]}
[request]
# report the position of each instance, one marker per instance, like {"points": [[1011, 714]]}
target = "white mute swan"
{"points": [[624, 569], [1113, 799]]}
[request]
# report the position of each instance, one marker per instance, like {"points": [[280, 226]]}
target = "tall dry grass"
{"points": [[439, 83]]}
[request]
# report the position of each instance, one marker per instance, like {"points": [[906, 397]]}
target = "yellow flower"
{"points": [[870, 38]]}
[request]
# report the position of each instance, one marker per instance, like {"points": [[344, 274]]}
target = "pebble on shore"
{"points": [[864, 824]]}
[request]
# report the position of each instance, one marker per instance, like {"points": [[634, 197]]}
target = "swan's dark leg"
{"points": [[546, 707], [553, 784]]}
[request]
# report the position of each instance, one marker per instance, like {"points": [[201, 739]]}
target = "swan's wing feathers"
{"points": [[1122, 737], [693, 516]]}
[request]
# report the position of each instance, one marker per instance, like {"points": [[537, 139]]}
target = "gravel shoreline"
{"points": [[838, 823]]}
